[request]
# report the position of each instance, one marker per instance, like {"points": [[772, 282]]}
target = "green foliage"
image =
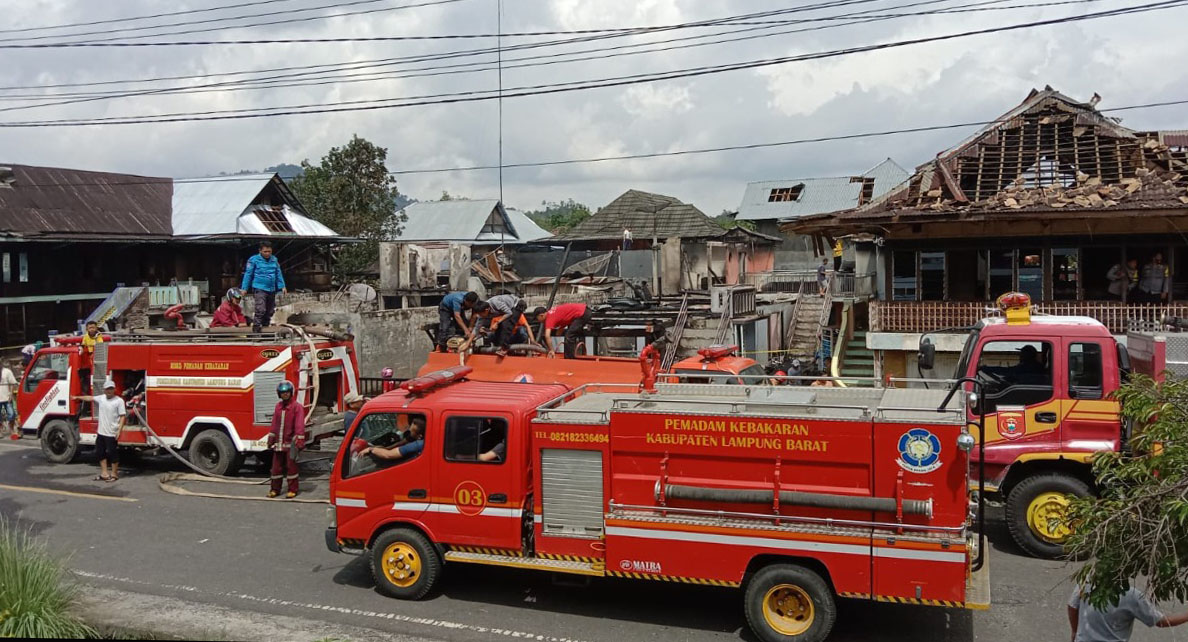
{"points": [[726, 221], [351, 192], [35, 599], [1138, 526], [559, 216]]}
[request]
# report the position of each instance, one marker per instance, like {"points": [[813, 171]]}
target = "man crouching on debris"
{"points": [[285, 439]]}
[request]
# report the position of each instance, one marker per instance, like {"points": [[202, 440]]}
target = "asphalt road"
{"points": [[269, 557]]}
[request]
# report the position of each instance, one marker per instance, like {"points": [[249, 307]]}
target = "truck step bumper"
{"points": [[977, 587], [559, 566], [335, 546]]}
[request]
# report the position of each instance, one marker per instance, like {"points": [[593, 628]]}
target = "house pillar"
{"points": [[670, 266]]}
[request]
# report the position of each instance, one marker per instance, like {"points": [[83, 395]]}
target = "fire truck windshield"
{"points": [[963, 361]]}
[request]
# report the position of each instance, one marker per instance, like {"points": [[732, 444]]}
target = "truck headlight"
{"points": [[332, 517]]}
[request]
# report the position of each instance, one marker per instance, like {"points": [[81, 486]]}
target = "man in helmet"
{"points": [[389, 382], [286, 437], [229, 314]]}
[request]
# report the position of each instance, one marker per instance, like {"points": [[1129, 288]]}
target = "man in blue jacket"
{"points": [[262, 277]]}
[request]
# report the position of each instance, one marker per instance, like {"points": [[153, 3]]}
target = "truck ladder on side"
{"points": [[678, 331], [594, 569]]}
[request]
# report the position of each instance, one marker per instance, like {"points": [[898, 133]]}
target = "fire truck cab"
{"points": [[793, 495], [1047, 385], [210, 392]]}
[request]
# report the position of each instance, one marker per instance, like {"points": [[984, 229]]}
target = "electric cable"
{"points": [[473, 96]]}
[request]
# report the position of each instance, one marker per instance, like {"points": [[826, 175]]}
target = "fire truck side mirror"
{"points": [[926, 355]]}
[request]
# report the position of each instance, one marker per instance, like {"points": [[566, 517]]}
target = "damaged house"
{"points": [[1045, 200], [69, 238]]}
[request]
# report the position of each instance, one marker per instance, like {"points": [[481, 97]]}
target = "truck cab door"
{"points": [[480, 499], [1020, 397], [45, 390], [371, 488], [1091, 421]]}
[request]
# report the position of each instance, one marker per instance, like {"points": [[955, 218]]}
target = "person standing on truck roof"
{"points": [[570, 318], [1155, 282], [8, 384], [1123, 280], [449, 316], [389, 382], [230, 314], [1115, 624], [263, 278], [285, 438], [112, 414], [409, 447], [90, 339]]}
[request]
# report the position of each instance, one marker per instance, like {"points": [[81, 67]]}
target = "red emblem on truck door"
{"points": [[1012, 424], [470, 498]]}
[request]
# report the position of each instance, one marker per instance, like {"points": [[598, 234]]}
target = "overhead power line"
{"points": [[148, 17], [616, 33], [641, 156], [337, 5], [314, 78], [472, 96]]}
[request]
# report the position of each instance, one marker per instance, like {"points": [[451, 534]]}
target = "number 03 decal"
{"points": [[470, 498]]}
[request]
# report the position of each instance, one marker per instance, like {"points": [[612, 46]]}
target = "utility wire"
{"points": [[473, 96], [148, 17], [313, 79], [225, 19], [624, 157], [597, 36]]}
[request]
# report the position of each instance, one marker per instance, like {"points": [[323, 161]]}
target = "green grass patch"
{"points": [[36, 599]]}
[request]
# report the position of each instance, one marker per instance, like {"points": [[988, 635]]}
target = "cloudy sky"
{"points": [[1128, 60]]}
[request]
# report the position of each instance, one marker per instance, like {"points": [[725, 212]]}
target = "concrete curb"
{"points": [[171, 618]]}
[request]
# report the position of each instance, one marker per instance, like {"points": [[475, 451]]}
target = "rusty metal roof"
{"points": [[50, 202]]}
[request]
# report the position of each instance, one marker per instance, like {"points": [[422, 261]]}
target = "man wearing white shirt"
{"points": [[111, 413], [8, 385]]}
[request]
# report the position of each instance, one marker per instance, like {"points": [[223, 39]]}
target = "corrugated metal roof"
{"points": [[818, 195], [456, 220], [226, 206], [56, 202], [526, 229]]}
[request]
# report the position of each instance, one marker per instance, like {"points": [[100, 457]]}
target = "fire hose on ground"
{"points": [[166, 481]]}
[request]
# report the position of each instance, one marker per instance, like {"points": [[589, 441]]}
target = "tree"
{"points": [[726, 221], [1138, 525], [352, 193], [560, 216]]}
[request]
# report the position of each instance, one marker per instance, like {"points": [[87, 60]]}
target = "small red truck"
{"points": [[794, 495], [1047, 384], [210, 392], [713, 364]]}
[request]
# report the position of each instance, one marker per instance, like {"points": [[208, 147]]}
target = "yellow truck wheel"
{"points": [[404, 564], [1036, 512], [789, 603]]}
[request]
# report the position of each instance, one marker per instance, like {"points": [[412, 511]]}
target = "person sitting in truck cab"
{"points": [[409, 447], [496, 454]]}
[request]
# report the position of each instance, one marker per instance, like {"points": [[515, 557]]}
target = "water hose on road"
{"points": [[166, 481]]}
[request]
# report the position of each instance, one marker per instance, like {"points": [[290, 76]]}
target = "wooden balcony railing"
{"points": [[926, 316]]}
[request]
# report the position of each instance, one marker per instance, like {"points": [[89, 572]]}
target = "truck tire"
{"points": [[404, 563], [1034, 512], [59, 441], [788, 602], [214, 452]]}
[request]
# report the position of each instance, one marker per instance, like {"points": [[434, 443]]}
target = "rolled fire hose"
{"points": [[795, 498]]}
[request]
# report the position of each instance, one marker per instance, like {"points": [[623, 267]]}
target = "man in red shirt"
{"points": [[229, 314], [568, 317]]}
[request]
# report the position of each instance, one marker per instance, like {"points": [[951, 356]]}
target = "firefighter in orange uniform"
{"points": [[286, 438]]}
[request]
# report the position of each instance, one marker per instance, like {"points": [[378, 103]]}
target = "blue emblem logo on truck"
{"points": [[919, 451]]}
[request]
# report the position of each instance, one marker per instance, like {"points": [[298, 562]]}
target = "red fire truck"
{"points": [[1048, 383], [713, 364], [794, 495], [211, 392]]}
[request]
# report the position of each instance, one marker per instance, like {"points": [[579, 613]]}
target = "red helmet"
{"points": [[781, 373]]}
